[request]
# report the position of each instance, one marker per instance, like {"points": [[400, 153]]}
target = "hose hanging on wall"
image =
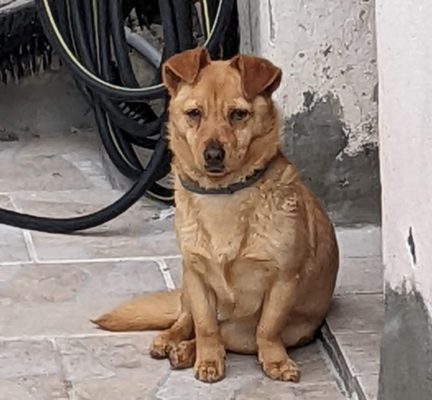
{"points": [[91, 39]]}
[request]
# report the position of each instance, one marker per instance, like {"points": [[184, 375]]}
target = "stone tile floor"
{"points": [[51, 285]]}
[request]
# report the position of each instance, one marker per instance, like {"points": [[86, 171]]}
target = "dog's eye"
{"points": [[238, 115], [194, 114]]}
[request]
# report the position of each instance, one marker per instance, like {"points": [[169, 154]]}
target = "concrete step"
{"points": [[352, 333]]}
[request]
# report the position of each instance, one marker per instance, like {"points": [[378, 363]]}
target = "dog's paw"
{"points": [[285, 370], [160, 347], [210, 371], [183, 355]]}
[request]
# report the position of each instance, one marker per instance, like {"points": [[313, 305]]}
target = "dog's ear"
{"points": [[184, 67], [259, 76]]}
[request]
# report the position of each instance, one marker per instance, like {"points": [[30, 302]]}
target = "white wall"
{"points": [[405, 76], [323, 46]]}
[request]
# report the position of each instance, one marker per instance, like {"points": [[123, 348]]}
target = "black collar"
{"points": [[194, 187]]}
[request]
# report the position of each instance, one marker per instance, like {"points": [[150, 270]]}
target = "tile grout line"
{"points": [[90, 260], [59, 361], [164, 270], [108, 259], [359, 331], [54, 336], [359, 293], [15, 263], [27, 235]]}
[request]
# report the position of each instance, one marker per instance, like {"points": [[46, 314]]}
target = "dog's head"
{"points": [[222, 120]]}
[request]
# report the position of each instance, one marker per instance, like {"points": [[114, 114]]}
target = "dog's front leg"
{"points": [[168, 339], [210, 351], [272, 354]]}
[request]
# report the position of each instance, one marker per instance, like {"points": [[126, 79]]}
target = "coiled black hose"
{"points": [[114, 90], [81, 33]]}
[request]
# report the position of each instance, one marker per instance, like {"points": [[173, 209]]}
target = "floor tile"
{"points": [[79, 282], [43, 387], [52, 319], [356, 313], [362, 351], [136, 233], [7, 272], [29, 370], [328, 391], [12, 244], [244, 372], [369, 383], [12, 390], [360, 275], [117, 367], [23, 358], [288, 391], [24, 170], [61, 299], [364, 241], [136, 385], [103, 357]]}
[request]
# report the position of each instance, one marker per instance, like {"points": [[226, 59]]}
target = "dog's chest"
{"points": [[223, 243], [215, 229]]}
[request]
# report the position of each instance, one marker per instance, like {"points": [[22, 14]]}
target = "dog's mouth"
{"points": [[213, 170]]}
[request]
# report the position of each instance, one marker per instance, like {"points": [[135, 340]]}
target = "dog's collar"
{"points": [[194, 187]]}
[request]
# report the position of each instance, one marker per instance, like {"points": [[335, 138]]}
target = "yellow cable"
{"points": [[90, 75], [206, 18]]}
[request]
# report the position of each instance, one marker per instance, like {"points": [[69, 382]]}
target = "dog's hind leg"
{"points": [[299, 334]]}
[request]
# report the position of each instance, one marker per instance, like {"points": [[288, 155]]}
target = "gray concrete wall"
{"points": [[328, 96], [405, 70]]}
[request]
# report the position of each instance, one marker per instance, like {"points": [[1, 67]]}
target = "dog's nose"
{"points": [[214, 155]]}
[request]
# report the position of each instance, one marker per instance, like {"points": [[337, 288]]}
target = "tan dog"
{"points": [[259, 253]]}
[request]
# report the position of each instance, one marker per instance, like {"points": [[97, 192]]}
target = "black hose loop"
{"points": [[82, 33]]}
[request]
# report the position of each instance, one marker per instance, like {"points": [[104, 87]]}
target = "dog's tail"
{"points": [[153, 312]]}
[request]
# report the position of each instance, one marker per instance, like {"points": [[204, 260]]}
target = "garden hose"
{"points": [[91, 39]]}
